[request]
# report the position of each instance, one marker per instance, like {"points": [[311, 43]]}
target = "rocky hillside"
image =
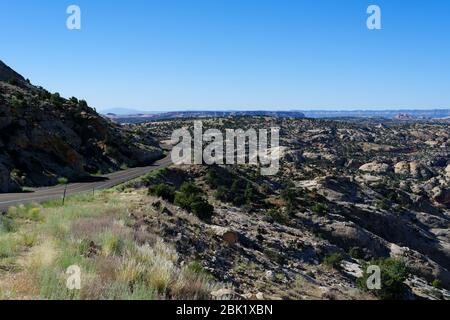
{"points": [[348, 195], [44, 137]]}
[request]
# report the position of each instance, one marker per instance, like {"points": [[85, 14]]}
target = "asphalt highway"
{"points": [[40, 195]]}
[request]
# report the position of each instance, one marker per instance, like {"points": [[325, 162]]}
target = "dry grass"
{"points": [[87, 228], [116, 261]]}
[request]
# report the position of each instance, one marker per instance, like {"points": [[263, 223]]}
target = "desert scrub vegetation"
{"points": [[163, 191], [13, 239], [229, 188], [394, 273], [189, 197], [278, 216], [319, 209], [96, 235], [333, 260]]}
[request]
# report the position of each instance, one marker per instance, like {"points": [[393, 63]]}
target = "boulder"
{"points": [[222, 294], [402, 168], [443, 197], [7, 184], [414, 169], [375, 167], [419, 171], [421, 265], [227, 235]]}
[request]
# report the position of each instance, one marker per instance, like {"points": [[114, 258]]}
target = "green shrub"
{"points": [[212, 179], [394, 272], [56, 100], [383, 204], [238, 199], [190, 198], [154, 177], [6, 224], [319, 208], [13, 82], [74, 100], [236, 186], [19, 95], [221, 193], [356, 253], [111, 244], [334, 260], [10, 245], [83, 104], [34, 214], [230, 188], [62, 180], [163, 191], [195, 267], [437, 283], [183, 201], [190, 188], [278, 216], [249, 194], [188, 194], [202, 209], [289, 196]]}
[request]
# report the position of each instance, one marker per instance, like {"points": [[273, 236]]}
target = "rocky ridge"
{"points": [[44, 137]]}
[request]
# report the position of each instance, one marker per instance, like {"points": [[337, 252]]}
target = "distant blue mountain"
{"points": [[135, 118], [128, 115], [388, 114], [123, 111]]}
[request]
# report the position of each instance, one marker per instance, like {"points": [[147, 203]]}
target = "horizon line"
{"points": [[193, 109]]}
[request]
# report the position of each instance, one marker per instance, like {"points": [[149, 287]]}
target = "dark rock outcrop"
{"points": [[9, 75], [44, 137]]}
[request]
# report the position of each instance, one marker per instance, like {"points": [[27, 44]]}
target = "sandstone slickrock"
{"points": [[414, 169], [443, 197], [402, 168], [387, 196], [419, 170], [375, 167]]}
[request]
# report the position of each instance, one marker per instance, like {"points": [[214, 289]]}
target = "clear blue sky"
{"points": [[234, 54]]}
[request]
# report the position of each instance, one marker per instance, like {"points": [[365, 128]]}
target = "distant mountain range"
{"points": [[124, 111], [127, 117], [134, 118], [388, 114]]}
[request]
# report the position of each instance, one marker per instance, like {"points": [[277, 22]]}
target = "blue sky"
{"points": [[234, 54]]}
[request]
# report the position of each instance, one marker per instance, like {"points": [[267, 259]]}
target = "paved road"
{"points": [[49, 193]]}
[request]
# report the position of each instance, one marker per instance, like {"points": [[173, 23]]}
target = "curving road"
{"points": [[107, 181]]}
